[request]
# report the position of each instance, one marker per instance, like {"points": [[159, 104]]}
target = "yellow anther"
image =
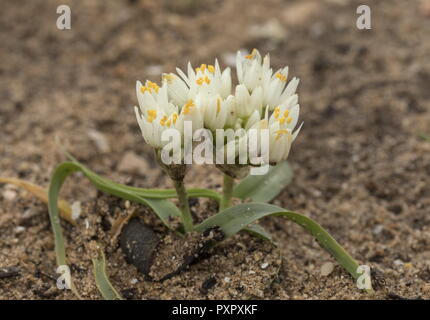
{"points": [[202, 68], [149, 87], [168, 123], [174, 117], [143, 89], [289, 120], [276, 112], [286, 113], [282, 120], [211, 68], [152, 114], [152, 85], [280, 133], [163, 120], [187, 107], [218, 105], [281, 77], [168, 77], [252, 55], [202, 80]]}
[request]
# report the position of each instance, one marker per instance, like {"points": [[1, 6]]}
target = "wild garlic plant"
{"points": [[205, 97], [262, 106]]}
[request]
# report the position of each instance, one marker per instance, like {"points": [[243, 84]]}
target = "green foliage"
{"points": [[102, 280], [233, 220], [265, 188]]}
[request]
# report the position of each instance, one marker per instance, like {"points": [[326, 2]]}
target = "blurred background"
{"points": [[364, 97]]}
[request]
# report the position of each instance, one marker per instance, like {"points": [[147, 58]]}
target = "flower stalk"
{"points": [[187, 218], [176, 173], [227, 192]]}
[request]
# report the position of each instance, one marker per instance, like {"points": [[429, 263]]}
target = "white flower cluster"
{"points": [[262, 99]]}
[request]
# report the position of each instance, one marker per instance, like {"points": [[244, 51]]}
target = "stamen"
{"points": [[281, 77], [286, 113], [202, 68], [276, 112], [143, 89], [211, 68], [174, 117], [152, 85], [252, 55], [202, 80], [187, 107], [149, 87], [152, 114], [280, 133], [163, 120], [289, 120], [168, 77]]}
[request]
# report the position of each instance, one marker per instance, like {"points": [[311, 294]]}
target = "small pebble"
{"points": [[134, 281], [19, 229], [99, 140], [9, 195], [327, 268], [76, 210], [398, 262], [227, 280], [264, 265], [29, 213], [378, 229]]}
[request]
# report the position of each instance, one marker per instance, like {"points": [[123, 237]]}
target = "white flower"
{"points": [[215, 110], [246, 104], [157, 113], [206, 79], [262, 99], [253, 73]]}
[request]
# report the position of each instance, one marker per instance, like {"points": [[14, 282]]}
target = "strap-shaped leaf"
{"points": [[234, 219], [259, 232], [101, 182], [265, 187], [162, 207], [106, 289]]}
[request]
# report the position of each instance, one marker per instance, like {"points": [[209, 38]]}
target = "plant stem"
{"points": [[184, 206], [227, 192]]}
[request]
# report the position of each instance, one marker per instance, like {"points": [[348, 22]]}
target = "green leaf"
{"points": [[54, 188], [162, 207], [259, 232], [266, 187], [106, 289], [233, 220]]}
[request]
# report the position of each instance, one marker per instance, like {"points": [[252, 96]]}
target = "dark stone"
{"points": [[9, 272], [138, 243], [208, 284], [129, 294]]}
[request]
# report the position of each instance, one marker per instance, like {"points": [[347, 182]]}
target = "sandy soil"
{"points": [[360, 169]]}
